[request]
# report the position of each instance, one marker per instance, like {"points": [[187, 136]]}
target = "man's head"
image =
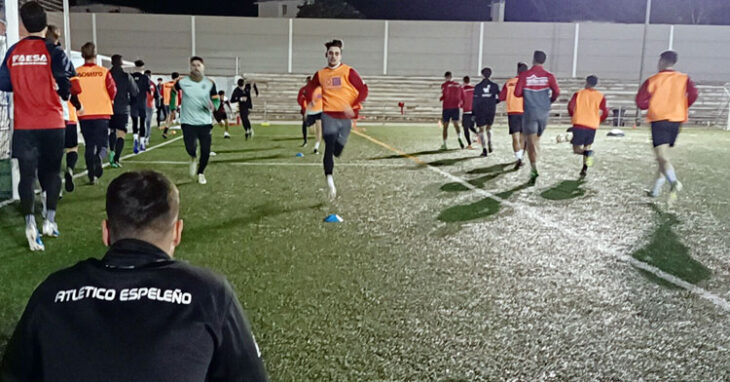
{"points": [[88, 51], [334, 52], [159, 80], [197, 65], [240, 82], [175, 75], [539, 57], [447, 76], [147, 72], [667, 59], [591, 82], [53, 34], [521, 67], [33, 17], [467, 79], [221, 93], [486, 73], [143, 205], [309, 78], [117, 60], [139, 64]]}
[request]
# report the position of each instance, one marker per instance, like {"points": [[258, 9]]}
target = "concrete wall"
{"points": [[413, 47]]}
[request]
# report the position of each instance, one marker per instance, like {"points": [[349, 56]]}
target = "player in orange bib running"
{"points": [[667, 97], [343, 92], [587, 109], [515, 109]]}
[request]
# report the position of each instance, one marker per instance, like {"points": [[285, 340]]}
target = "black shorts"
{"points": [[95, 132], [220, 116], [484, 119], [450, 115], [582, 136], [664, 133], [515, 123], [313, 118], [72, 136], [468, 121], [119, 122]]}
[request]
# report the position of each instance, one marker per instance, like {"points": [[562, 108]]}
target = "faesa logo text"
{"points": [[29, 59]]}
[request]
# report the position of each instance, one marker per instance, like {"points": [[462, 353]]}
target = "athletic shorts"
{"points": [[515, 123], [582, 136], [664, 133], [468, 121], [534, 124], [313, 118], [72, 136], [220, 116], [450, 115], [119, 122], [484, 119]]}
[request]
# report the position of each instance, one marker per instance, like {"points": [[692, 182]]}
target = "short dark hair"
{"points": [[138, 63], [197, 58], [487, 72], [159, 78], [447, 74], [221, 92], [333, 43], [240, 82], [670, 57], [467, 79], [141, 202], [117, 60], [175, 75], [148, 72], [539, 57], [309, 78], [88, 50], [592, 80], [33, 16], [521, 67]]}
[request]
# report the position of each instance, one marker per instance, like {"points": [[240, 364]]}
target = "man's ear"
{"points": [[105, 237], [177, 238]]}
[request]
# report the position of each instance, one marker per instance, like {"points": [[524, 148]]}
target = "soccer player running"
{"points": [[161, 102], [451, 97], [199, 99], [220, 115], [152, 98], [515, 108], [588, 109], [138, 106], [667, 97], [38, 73], [486, 98], [302, 102], [98, 91], [127, 92], [313, 116], [172, 102], [539, 90], [343, 92], [242, 95], [467, 115]]}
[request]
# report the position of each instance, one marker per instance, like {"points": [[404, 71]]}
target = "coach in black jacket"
{"points": [[136, 314]]}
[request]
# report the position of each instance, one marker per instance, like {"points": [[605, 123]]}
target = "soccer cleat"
{"points": [[110, 156], [583, 171], [316, 151], [34, 238], [193, 168], [226, 135], [135, 147], [518, 164], [443, 147], [164, 136], [50, 229], [99, 171], [461, 143], [484, 153], [303, 144], [213, 153], [201, 179], [69, 178], [676, 188], [142, 145], [116, 165], [533, 176]]}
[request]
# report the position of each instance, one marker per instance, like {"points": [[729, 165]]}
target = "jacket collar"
{"points": [[133, 253]]}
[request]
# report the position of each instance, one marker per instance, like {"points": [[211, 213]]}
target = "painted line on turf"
{"points": [[11, 201], [700, 292], [283, 164]]}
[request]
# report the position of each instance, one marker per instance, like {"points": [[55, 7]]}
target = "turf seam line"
{"points": [[700, 292], [283, 164]]}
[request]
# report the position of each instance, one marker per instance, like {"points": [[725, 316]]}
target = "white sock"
{"points": [[489, 136], [518, 154], [330, 181], [30, 221], [136, 138], [482, 140], [669, 173], [658, 184], [316, 145], [444, 142]]}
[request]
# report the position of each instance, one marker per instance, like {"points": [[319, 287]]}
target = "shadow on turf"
{"points": [[253, 159], [667, 252], [480, 209], [399, 156], [567, 189], [492, 172], [286, 139], [251, 150]]}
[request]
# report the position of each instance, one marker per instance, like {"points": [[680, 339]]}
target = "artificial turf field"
{"points": [[448, 267]]}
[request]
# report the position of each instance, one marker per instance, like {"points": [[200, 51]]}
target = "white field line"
{"points": [[283, 164], [529, 211]]}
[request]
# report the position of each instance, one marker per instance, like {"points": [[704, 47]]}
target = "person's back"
{"points": [[136, 314], [127, 90]]}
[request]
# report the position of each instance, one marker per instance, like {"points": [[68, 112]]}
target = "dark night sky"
{"points": [[627, 11]]}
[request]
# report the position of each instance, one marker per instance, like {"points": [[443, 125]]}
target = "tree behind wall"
{"points": [[332, 9]]}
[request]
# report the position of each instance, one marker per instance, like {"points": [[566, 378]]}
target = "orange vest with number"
{"points": [[337, 91], [94, 95], [669, 100]]}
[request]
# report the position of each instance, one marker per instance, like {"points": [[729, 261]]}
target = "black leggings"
{"points": [[332, 148], [191, 135], [95, 137], [161, 114], [244, 119], [39, 151], [138, 125]]}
